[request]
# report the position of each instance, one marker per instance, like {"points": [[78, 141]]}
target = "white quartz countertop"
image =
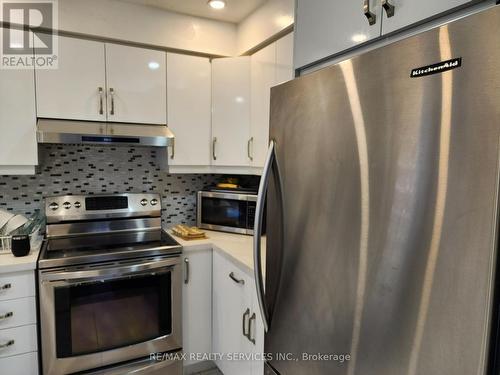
{"points": [[238, 248], [10, 263]]}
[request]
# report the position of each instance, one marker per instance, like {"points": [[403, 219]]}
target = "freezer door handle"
{"points": [[271, 167]]}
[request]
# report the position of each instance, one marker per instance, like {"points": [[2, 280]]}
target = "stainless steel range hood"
{"points": [[69, 131]]}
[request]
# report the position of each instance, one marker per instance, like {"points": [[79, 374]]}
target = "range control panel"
{"points": [[94, 207]]}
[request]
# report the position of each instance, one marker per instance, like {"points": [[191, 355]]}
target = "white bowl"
{"points": [[5, 217], [14, 223]]}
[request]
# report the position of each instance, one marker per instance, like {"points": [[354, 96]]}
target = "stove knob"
{"points": [[67, 205], [53, 206], [77, 204], [154, 202], [144, 202]]}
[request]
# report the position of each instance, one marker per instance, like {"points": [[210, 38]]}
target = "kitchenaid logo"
{"points": [[28, 41], [436, 68]]}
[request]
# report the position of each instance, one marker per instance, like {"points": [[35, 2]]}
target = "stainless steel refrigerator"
{"points": [[382, 184]]}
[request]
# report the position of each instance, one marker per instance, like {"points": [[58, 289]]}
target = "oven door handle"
{"points": [[116, 272]]}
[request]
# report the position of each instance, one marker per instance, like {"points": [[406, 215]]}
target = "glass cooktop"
{"points": [[106, 247]]}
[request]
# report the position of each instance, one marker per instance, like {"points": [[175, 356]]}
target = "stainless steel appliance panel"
{"points": [[107, 272], [235, 214], [390, 206]]}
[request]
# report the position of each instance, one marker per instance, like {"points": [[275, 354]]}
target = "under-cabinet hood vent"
{"points": [[68, 131]]}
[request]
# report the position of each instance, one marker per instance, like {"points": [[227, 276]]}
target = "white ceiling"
{"points": [[235, 10]]}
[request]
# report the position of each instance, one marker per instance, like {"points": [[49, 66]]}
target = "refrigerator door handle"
{"points": [[270, 166]]}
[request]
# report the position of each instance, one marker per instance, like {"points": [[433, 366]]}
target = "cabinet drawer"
{"points": [[17, 285], [24, 340], [17, 312], [26, 364]]}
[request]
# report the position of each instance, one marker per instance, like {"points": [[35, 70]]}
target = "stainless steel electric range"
{"points": [[109, 286]]}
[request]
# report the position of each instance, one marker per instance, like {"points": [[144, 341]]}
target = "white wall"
{"points": [[140, 24], [265, 22]]}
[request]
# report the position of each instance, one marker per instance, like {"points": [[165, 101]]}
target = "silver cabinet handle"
{"points": [[249, 146], [6, 286], [101, 99], [186, 275], [271, 166], [10, 314], [372, 18], [7, 344], [112, 94], [389, 8], [237, 281], [246, 315], [172, 155], [214, 142], [250, 338]]}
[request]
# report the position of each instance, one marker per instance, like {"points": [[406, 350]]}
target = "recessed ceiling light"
{"points": [[217, 4]]}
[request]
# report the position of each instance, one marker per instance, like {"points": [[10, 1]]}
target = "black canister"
{"points": [[20, 245]]}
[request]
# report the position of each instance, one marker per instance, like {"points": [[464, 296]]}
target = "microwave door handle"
{"points": [[115, 272], [271, 166]]}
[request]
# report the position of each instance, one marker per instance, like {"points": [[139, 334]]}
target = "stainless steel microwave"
{"points": [[227, 211]]}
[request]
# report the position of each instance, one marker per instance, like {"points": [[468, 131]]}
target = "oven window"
{"points": [[98, 316], [225, 212]]}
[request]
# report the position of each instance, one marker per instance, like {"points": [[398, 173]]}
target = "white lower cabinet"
{"points": [[25, 364], [237, 328], [197, 305], [18, 330]]}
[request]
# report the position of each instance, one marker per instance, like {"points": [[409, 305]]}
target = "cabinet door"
{"points": [[230, 111], [407, 12], [137, 84], [230, 302], [76, 89], [189, 108], [197, 303], [18, 146], [257, 333], [263, 78], [284, 59], [327, 27]]}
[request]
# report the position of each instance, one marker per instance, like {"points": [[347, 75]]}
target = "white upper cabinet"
{"points": [[407, 12], [230, 111], [95, 81], [18, 146], [284, 59], [76, 89], [263, 78], [137, 84], [326, 27], [271, 65], [189, 109]]}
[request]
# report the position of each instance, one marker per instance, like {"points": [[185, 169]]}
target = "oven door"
{"points": [[99, 315]]}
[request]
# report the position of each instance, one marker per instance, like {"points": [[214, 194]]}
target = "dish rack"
{"points": [[33, 228]]}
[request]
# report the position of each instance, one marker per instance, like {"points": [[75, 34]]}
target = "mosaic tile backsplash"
{"points": [[82, 169]]}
